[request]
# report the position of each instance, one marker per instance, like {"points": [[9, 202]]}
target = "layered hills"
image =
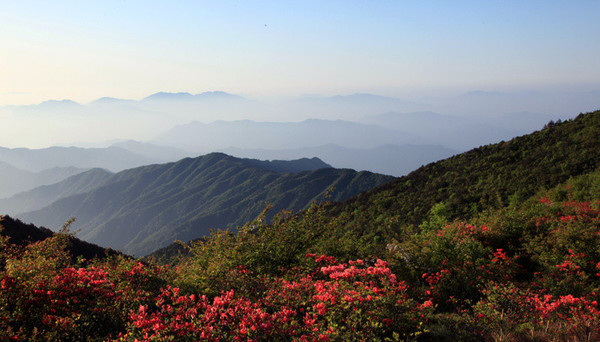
{"points": [[463, 186], [42, 196], [112, 158], [145, 208], [392, 160], [251, 134]]}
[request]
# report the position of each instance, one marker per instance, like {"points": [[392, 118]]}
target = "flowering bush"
{"points": [[338, 302]]}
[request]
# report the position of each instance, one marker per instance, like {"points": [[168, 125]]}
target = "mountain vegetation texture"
{"points": [[142, 209], [485, 178], [488, 177]]}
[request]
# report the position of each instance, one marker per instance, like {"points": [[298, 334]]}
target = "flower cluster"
{"points": [[348, 300]]}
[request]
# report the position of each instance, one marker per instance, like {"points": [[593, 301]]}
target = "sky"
{"points": [[84, 50]]}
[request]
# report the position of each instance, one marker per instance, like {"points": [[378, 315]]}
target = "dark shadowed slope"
{"points": [[22, 234]]}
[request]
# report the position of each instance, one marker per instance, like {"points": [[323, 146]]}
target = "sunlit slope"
{"points": [[490, 176]]}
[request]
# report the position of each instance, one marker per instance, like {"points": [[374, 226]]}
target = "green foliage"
{"points": [[257, 247], [488, 177], [438, 216]]}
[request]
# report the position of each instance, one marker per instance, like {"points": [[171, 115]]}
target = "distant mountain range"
{"points": [[458, 132], [379, 143], [484, 178], [23, 169], [112, 158], [468, 185], [142, 209], [141, 120], [381, 134], [199, 137], [392, 128], [42, 196], [14, 180], [386, 159], [206, 96]]}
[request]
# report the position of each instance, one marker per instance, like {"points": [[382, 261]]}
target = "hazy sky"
{"points": [[83, 50]]}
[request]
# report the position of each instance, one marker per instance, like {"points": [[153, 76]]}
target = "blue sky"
{"points": [[84, 50]]}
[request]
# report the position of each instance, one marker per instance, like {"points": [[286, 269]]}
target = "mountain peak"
{"points": [[110, 100], [217, 95], [184, 96], [184, 199], [59, 104], [169, 96]]}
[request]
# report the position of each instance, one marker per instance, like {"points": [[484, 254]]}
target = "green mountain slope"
{"points": [[142, 209], [487, 177]]}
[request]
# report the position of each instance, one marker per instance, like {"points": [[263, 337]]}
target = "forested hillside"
{"points": [[488, 177], [142, 209]]}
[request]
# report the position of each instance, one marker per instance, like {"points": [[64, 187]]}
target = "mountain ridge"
{"points": [[140, 209]]}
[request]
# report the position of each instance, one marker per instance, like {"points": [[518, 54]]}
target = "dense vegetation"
{"points": [[523, 268], [487, 177]]}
